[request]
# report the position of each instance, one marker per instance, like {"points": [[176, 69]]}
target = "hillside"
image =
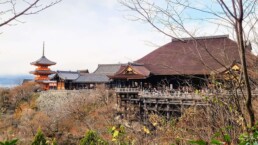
{"points": [[67, 115]]}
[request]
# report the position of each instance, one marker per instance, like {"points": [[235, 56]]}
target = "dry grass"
{"points": [[67, 115]]}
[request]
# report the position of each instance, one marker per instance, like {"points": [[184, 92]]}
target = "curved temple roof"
{"points": [[107, 69], [131, 71], [189, 56], [43, 61], [67, 75]]}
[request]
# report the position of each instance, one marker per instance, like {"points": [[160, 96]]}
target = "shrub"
{"points": [[9, 142], [4, 99], [249, 139], [39, 139], [92, 138]]}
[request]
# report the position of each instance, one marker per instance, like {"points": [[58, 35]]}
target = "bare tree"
{"points": [[172, 18], [12, 10]]}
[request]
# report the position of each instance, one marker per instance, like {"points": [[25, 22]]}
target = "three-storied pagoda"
{"points": [[42, 71]]}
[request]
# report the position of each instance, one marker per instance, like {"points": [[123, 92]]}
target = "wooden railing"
{"points": [[171, 95], [127, 90], [177, 94]]}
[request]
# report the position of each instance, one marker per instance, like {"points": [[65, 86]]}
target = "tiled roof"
{"points": [[107, 69], [43, 61], [67, 75], [194, 56], [138, 71], [92, 78]]}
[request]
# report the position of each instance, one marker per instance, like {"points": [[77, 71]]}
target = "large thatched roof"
{"points": [[201, 55]]}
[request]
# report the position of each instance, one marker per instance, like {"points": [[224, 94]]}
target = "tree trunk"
{"points": [[241, 46]]}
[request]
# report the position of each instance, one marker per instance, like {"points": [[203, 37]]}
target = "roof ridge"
{"points": [[66, 71], [110, 64], [135, 64], [201, 37]]}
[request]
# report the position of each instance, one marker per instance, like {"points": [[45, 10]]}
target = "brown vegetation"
{"points": [[67, 115]]}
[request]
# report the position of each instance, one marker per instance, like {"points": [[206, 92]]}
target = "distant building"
{"points": [[82, 79], [64, 79], [42, 71]]}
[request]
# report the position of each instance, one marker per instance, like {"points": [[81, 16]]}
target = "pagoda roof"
{"points": [[43, 61], [198, 56]]}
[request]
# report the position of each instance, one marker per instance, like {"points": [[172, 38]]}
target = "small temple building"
{"points": [[43, 71], [82, 79]]}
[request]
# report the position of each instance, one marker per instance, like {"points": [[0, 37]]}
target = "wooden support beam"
{"points": [[156, 106], [144, 111], [152, 103], [168, 112]]}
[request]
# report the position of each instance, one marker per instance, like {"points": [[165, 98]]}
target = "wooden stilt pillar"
{"points": [[156, 105], [144, 111], [168, 111], [126, 109], [120, 100], [181, 107], [141, 110], [117, 100]]}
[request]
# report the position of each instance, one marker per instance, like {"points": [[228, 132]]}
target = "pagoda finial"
{"points": [[43, 48]]}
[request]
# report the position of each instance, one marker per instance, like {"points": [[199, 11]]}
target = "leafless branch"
{"points": [[32, 8]]}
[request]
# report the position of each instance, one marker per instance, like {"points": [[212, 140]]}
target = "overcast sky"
{"points": [[78, 34]]}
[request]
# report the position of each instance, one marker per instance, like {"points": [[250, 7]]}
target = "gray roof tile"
{"points": [[107, 69], [92, 78], [67, 75]]}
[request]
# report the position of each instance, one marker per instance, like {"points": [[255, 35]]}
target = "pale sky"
{"points": [[78, 34]]}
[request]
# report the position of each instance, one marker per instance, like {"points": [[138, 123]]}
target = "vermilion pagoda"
{"points": [[42, 71]]}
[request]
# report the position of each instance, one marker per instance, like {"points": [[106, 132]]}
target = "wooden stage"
{"points": [[133, 100]]}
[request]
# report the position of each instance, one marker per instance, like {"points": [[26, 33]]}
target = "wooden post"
{"points": [[156, 105], [144, 111], [141, 110], [168, 111], [117, 101], [121, 96], [181, 106], [126, 97]]}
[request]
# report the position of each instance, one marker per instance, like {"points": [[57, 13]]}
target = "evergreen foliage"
{"points": [[39, 139], [92, 138], [9, 142]]}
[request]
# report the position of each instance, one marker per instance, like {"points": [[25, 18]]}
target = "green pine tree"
{"points": [[39, 139], [92, 138]]}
